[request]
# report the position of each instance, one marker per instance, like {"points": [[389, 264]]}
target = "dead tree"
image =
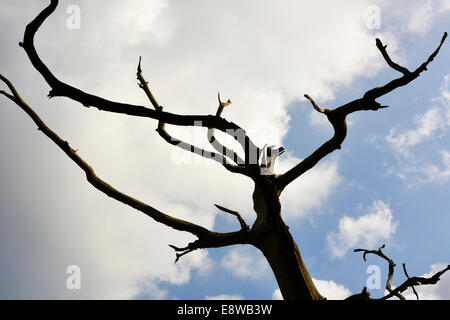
{"points": [[269, 233]]}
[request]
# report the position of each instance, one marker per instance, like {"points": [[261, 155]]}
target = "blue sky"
{"points": [[389, 183]]}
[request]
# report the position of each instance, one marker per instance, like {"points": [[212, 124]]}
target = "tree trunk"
{"points": [[284, 258], [276, 243]]}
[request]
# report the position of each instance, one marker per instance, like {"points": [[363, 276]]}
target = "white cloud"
{"points": [[426, 125], [150, 291], [434, 173], [327, 288], [332, 290], [410, 146], [445, 91], [421, 19], [309, 193], [413, 17], [276, 295], [444, 6], [245, 262], [365, 231], [225, 297]]}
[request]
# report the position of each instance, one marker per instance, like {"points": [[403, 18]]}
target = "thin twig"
{"points": [[206, 238], [143, 84], [388, 59], [337, 116], [407, 276], [242, 222], [216, 144], [318, 109]]}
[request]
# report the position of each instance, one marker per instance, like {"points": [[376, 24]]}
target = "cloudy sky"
{"points": [[389, 183]]}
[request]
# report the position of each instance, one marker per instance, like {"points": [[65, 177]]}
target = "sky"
{"points": [[389, 183]]}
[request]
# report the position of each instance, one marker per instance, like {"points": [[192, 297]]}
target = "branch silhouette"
{"points": [[337, 116], [61, 89], [218, 157], [206, 238], [269, 233], [410, 282]]}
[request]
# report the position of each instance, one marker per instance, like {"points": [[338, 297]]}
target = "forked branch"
{"points": [[216, 144], [407, 276], [410, 282], [391, 264], [206, 238], [61, 89], [218, 157], [417, 281], [337, 116]]}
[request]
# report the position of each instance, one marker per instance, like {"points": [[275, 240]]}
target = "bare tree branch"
{"points": [[337, 117], [222, 105], [244, 225], [318, 109], [407, 276], [199, 151], [367, 102], [388, 59], [143, 84], [181, 251], [215, 143], [410, 281], [7, 95], [206, 238], [61, 89], [269, 233], [216, 240], [391, 263], [417, 281]]}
